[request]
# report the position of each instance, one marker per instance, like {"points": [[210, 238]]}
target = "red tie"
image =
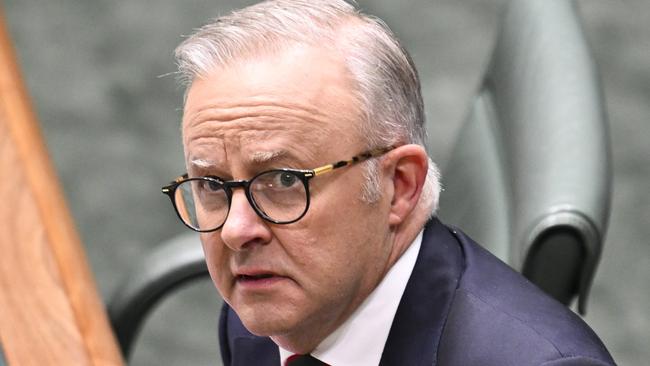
{"points": [[304, 360]]}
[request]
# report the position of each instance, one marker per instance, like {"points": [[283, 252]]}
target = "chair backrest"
{"points": [[173, 264], [530, 176]]}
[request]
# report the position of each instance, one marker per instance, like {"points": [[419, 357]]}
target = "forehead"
{"points": [[294, 101]]}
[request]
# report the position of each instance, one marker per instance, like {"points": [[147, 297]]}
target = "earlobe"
{"points": [[407, 166]]}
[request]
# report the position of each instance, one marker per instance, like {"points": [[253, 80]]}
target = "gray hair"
{"points": [[388, 87]]}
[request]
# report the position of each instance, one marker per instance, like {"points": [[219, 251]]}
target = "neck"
{"points": [[403, 236]]}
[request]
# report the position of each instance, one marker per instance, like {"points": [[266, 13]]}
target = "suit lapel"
{"points": [[424, 307]]}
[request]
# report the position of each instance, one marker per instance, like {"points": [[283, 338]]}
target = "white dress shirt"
{"points": [[360, 340]]}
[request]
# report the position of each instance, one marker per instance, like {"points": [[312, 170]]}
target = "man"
{"points": [[303, 130]]}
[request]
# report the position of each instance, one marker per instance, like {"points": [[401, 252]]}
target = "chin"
{"points": [[262, 321]]}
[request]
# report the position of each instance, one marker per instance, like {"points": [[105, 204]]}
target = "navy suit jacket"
{"points": [[462, 307]]}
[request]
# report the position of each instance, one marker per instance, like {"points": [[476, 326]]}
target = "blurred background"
{"points": [[97, 72]]}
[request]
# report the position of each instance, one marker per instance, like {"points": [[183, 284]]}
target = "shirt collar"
{"points": [[361, 338]]}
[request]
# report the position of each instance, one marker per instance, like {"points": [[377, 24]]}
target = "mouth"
{"points": [[256, 277]]}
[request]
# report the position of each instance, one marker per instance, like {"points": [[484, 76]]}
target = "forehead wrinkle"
{"points": [[256, 142], [247, 130], [219, 111]]}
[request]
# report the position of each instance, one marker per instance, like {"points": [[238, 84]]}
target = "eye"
{"points": [[213, 186], [208, 186], [287, 179], [277, 180]]}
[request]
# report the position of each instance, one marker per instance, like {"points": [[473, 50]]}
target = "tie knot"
{"points": [[304, 360]]}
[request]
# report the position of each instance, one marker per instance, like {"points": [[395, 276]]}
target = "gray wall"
{"points": [[111, 121]]}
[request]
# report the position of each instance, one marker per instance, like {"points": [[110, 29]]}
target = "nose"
{"points": [[243, 228]]}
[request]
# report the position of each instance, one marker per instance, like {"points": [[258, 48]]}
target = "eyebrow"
{"points": [[202, 163], [257, 158], [263, 157]]}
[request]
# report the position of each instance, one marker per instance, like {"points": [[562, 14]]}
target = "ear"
{"points": [[406, 166]]}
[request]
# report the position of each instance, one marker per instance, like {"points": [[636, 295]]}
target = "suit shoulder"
{"points": [[501, 318]]}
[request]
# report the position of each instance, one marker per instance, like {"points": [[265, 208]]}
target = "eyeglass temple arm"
{"points": [[355, 159], [166, 189]]}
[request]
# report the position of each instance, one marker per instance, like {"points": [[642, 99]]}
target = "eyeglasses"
{"points": [[280, 196]]}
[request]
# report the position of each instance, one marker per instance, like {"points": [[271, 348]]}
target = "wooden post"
{"points": [[50, 311]]}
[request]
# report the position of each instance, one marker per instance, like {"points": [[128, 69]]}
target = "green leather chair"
{"points": [[529, 176]]}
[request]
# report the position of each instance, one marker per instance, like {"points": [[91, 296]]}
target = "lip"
{"points": [[257, 279]]}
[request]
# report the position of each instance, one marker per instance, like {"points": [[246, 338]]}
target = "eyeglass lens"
{"points": [[278, 196], [202, 203]]}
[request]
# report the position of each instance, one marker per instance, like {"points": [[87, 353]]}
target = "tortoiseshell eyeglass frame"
{"points": [[303, 174]]}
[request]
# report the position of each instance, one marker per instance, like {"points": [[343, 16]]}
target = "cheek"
{"points": [[216, 258], [333, 273], [335, 248], [358, 238]]}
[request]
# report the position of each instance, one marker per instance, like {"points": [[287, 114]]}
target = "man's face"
{"points": [[291, 110]]}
